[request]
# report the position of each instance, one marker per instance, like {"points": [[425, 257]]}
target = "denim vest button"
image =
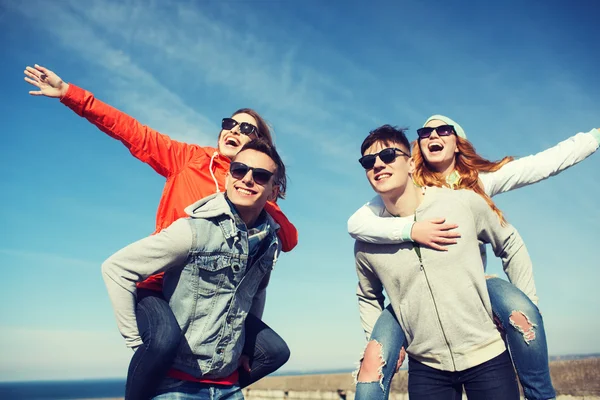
{"points": [[236, 268], [219, 351]]}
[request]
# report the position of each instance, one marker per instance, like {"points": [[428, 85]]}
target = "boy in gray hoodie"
{"points": [[439, 297], [217, 263]]}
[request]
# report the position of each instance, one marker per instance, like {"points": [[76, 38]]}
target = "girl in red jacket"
{"points": [[192, 172]]}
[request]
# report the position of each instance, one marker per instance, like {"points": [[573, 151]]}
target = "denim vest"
{"points": [[212, 293]]}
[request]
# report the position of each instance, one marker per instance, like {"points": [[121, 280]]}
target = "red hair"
{"points": [[468, 164]]}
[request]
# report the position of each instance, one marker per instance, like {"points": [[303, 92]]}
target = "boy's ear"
{"points": [[274, 193], [411, 165]]}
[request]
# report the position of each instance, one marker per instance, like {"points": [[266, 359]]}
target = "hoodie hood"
{"points": [[459, 130]]}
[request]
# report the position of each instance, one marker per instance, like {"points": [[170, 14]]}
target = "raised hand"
{"points": [[48, 82], [434, 233]]}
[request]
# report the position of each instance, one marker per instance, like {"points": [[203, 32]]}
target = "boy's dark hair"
{"points": [[263, 146], [386, 134]]}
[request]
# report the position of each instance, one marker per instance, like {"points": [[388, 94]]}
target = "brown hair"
{"points": [[264, 132], [263, 146], [468, 164]]}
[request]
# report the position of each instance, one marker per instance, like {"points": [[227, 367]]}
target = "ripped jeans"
{"points": [[524, 334]]}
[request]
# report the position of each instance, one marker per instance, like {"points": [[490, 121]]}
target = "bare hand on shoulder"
{"points": [[48, 82], [434, 233]]}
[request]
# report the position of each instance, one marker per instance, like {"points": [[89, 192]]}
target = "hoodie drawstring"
{"points": [[210, 168]]}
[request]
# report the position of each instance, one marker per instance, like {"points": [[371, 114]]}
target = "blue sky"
{"points": [[518, 76]]}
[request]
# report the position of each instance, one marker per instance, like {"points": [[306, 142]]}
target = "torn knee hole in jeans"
{"points": [[521, 323], [374, 353]]}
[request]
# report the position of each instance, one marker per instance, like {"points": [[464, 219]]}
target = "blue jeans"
{"points": [[493, 380], [173, 389], [530, 357], [161, 335]]}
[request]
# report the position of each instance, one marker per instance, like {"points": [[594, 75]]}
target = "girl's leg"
{"points": [[524, 328], [493, 380], [378, 366], [161, 336], [267, 351], [426, 383]]}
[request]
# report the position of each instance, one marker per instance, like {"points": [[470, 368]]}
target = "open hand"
{"points": [[401, 358], [244, 362], [48, 82], [434, 233]]}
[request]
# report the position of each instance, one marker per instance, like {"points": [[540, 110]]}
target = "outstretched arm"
{"points": [[367, 225], [136, 262], [535, 168], [164, 155], [507, 244]]}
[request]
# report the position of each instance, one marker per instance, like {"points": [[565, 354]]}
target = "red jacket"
{"points": [[192, 172]]}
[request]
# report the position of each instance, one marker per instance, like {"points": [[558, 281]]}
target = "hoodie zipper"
{"points": [[418, 251]]}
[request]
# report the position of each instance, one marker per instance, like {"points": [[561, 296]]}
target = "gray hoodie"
{"points": [[441, 298]]}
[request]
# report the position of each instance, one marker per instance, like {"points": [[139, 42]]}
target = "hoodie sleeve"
{"points": [[134, 263], [535, 168], [164, 155], [507, 245], [287, 233], [369, 291], [367, 225]]}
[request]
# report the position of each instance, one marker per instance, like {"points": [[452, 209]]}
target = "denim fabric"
{"points": [[161, 336], [493, 380], [173, 389], [530, 358], [389, 334], [212, 294], [267, 351]]}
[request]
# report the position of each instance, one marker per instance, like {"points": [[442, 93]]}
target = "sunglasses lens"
{"points": [[368, 161], [238, 170], [445, 130], [228, 123], [246, 128], [261, 176], [424, 132], [387, 155]]}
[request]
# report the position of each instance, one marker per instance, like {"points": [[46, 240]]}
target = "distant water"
{"points": [[63, 390]]}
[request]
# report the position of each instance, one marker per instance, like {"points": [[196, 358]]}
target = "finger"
{"points": [[31, 81], [446, 234], [436, 246], [246, 365], [33, 71], [40, 68], [437, 220], [30, 74], [34, 93], [445, 241], [447, 227]]}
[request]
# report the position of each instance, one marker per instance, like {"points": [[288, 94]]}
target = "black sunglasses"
{"points": [[260, 175], [386, 155], [442, 130], [245, 127]]}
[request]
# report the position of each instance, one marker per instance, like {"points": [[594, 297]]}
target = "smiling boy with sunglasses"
{"points": [[192, 172], [440, 298], [217, 262]]}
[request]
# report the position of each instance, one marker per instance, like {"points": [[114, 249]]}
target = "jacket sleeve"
{"points": [[534, 168], [287, 233], [136, 262], [367, 225], [164, 155], [507, 245], [369, 292]]}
